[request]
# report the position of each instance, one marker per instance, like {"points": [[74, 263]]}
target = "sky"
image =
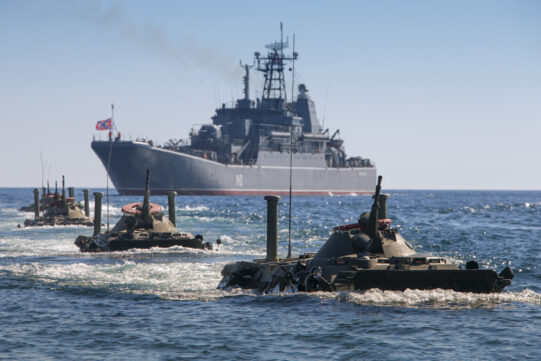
{"points": [[439, 94]]}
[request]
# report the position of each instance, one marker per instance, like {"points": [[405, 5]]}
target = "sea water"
{"points": [[58, 303]]}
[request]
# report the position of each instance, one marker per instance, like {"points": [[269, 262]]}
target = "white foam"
{"points": [[231, 246], [437, 298], [57, 226], [20, 247], [181, 281], [14, 211], [115, 211], [192, 209], [198, 281]]}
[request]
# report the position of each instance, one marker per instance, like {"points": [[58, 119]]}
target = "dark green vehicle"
{"points": [[364, 255], [143, 225], [57, 209]]}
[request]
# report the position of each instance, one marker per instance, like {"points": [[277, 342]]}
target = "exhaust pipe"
{"points": [[272, 228], [36, 203], [97, 212], [172, 210], [87, 207], [382, 214], [146, 202], [64, 204]]}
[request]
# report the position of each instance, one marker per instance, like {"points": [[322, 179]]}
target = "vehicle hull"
{"points": [[478, 281]]}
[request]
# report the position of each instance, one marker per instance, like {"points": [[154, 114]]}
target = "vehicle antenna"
{"points": [[325, 107], [290, 186], [42, 181], [49, 174]]}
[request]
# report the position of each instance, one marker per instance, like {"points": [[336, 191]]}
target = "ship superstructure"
{"points": [[249, 148]]}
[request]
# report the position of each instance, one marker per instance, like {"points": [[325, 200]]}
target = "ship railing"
{"points": [[171, 144], [104, 137], [176, 145], [276, 144]]}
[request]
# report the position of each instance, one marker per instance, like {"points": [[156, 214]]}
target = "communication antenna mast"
{"points": [[42, 182], [295, 55], [272, 66], [281, 40]]}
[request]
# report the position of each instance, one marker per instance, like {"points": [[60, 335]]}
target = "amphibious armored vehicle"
{"points": [[367, 254], [55, 209], [143, 225]]}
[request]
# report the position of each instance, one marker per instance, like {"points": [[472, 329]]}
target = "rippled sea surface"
{"points": [[56, 303]]}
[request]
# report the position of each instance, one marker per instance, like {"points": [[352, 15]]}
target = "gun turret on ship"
{"points": [[246, 149]]}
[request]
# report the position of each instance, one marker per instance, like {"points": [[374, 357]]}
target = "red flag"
{"points": [[104, 124]]}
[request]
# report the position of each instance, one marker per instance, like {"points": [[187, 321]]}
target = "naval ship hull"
{"points": [[191, 175]]}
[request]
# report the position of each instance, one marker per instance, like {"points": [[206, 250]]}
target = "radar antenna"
{"points": [[272, 67]]}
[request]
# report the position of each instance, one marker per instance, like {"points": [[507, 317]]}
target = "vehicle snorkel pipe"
{"points": [[374, 212], [171, 204], [36, 203], [64, 202], [146, 202]]}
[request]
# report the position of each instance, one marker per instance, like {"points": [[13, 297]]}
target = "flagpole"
{"points": [[109, 160]]}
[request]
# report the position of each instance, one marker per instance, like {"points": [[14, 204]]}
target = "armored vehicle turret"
{"points": [[143, 225], [367, 254], [55, 209]]}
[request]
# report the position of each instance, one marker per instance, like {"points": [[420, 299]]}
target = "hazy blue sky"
{"points": [[440, 94]]}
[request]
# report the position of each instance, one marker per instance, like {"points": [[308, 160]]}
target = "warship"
{"points": [[252, 147], [55, 209], [143, 225], [364, 255]]}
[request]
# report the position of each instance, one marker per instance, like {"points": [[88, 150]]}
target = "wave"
{"points": [[176, 280], [113, 210], [197, 281], [56, 226], [193, 209], [15, 211], [436, 298], [21, 247]]}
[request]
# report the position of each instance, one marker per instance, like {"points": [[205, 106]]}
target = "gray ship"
{"points": [[256, 147]]}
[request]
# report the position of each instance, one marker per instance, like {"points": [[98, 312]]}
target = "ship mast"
{"points": [[272, 67]]}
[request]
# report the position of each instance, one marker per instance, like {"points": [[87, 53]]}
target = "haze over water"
{"points": [[57, 303]]}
